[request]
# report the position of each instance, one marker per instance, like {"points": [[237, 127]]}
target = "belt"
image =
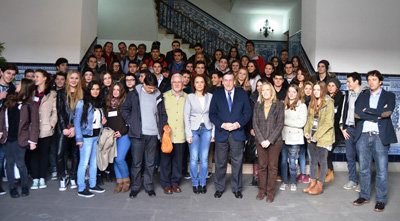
{"points": [[371, 133]]}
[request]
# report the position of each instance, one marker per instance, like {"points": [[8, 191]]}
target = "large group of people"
{"points": [[81, 125]]}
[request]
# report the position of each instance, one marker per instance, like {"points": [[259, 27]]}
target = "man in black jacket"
{"points": [[144, 113]]}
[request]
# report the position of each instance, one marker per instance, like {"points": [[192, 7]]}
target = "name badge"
{"points": [[112, 114], [36, 99]]}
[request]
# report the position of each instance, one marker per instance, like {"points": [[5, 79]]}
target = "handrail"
{"points": [[190, 19]]}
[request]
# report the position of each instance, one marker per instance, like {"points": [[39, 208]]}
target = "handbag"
{"points": [[166, 143]]}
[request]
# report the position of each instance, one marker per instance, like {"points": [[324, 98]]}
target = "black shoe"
{"points": [[203, 189], [379, 207], [97, 189], [254, 182], [25, 191], [14, 193], [99, 180], [151, 193], [187, 176], [133, 194], [2, 192], [85, 193], [238, 194], [196, 189], [360, 201], [218, 194]]}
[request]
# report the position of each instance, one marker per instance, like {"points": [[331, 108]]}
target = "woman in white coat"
{"points": [[292, 134]]}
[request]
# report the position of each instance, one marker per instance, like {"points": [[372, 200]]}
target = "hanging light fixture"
{"points": [[266, 29]]}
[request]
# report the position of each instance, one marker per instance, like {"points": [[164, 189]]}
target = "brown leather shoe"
{"points": [[260, 196], [126, 184], [310, 186], [317, 189], [118, 187], [176, 189], [329, 177], [270, 199], [168, 190]]}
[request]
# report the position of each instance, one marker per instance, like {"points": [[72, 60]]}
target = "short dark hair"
{"points": [[91, 56], [150, 79], [198, 45], [97, 47], [279, 74], [375, 73], [121, 43], [61, 61], [133, 62], [224, 57], [176, 41], [199, 62], [132, 45], [219, 73], [130, 75], [60, 74], [250, 42], [164, 70], [178, 51], [142, 45], [229, 73], [155, 47], [355, 76], [284, 50], [9, 66], [182, 72], [27, 71], [157, 62], [289, 62]]}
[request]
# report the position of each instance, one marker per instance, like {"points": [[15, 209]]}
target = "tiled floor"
{"points": [[333, 204]]}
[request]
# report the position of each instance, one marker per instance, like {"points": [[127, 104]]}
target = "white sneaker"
{"points": [[42, 183], [358, 188], [63, 184], [73, 184], [349, 185], [283, 186], [35, 184], [54, 176], [293, 187]]}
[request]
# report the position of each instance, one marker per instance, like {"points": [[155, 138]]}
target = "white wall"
{"points": [[295, 19], [355, 35], [89, 25], [40, 31], [309, 28], [246, 24], [127, 19]]}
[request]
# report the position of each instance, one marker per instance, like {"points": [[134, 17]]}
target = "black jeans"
{"points": [[318, 155], [171, 166], [145, 146], [53, 152], [67, 144], [40, 158], [15, 154]]}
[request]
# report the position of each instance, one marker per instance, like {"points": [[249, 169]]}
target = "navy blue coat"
{"points": [[219, 114], [386, 105]]}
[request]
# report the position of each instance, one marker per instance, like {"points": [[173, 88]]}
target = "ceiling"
{"points": [[278, 7]]}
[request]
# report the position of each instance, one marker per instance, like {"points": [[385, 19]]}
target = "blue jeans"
{"points": [[302, 157], [87, 154], [120, 166], [199, 150], [351, 154], [1, 160], [368, 148], [293, 151], [284, 162]]}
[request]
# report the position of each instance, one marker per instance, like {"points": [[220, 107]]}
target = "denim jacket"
{"points": [[87, 128]]}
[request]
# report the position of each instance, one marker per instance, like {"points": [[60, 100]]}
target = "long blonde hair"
{"points": [[273, 97], [237, 83], [78, 94]]}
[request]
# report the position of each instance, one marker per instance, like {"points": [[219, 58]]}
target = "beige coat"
{"points": [[106, 148], [48, 114]]}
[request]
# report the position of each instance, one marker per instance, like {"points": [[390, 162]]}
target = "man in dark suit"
{"points": [[229, 111], [374, 134]]}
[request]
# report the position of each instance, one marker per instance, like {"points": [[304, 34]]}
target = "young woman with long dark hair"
{"points": [[88, 124], [19, 130]]}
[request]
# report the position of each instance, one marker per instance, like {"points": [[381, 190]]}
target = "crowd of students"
{"points": [[124, 102]]}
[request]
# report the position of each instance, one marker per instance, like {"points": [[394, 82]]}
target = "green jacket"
{"points": [[325, 134]]}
